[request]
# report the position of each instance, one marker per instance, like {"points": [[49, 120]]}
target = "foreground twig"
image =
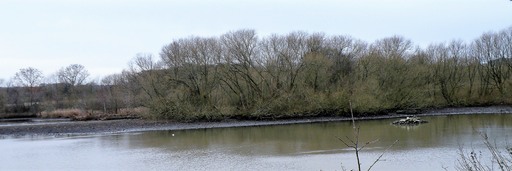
{"points": [[354, 142], [382, 154], [473, 162]]}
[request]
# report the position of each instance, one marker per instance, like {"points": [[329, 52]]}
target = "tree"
{"points": [[29, 78], [396, 81], [448, 68], [54, 96], [71, 78], [2, 97], [14, 98], [151, 78], [239, 72], [131, 89], [493, 49], [472, 66], [110, 93], [193, 64], [393, 47], [73, 75], [342, 51], [293, 55]]}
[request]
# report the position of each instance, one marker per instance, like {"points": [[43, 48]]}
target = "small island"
{"points": [[409, 121]]}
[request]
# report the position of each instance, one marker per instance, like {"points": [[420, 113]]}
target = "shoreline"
{"points": [[76, 128]]}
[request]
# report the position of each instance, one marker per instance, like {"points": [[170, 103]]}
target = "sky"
{"points": [[105, 35]]}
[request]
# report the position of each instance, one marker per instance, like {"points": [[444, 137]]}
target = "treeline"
{"points": [[66, 93], [239, 75]]}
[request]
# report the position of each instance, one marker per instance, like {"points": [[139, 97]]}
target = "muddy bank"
{"points": [[65, 128]]}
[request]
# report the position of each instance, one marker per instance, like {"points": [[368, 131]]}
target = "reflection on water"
{"points": [[286, 147]]}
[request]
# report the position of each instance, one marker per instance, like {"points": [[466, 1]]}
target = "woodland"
{"points": [[239, 75]]}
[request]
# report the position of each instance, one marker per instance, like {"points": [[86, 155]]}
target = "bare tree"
{"points": [[153, 80], [345, 55], [471, 66], [73, 75], [296, 48], [14, 97], [131, 89], [393, 47], [110, 93], [29, 78], [71, 79], [448, 67], [240, 74], [395, 79], [270, 60], [53, 93], [193, 64], [2, 96], [493, 49], [145, 71]]}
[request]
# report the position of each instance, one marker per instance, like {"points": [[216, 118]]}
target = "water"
{"points": [[432, 146]]}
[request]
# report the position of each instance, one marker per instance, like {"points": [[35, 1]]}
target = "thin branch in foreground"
{"points": [[378, 159], [345, 143], [473, 161], [368, 143]]}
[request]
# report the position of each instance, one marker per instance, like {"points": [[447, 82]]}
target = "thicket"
{"points": [[240, 75]]}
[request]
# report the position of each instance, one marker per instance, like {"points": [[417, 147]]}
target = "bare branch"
{"points": [[345, 143], [382, 154]]}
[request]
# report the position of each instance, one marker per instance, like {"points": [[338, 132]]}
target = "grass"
{"points": [[82, 115]]}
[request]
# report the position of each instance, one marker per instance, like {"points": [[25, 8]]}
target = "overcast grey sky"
{"points": [[104, 35]]}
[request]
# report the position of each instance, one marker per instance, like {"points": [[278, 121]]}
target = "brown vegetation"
{"points": [[77, 114]]}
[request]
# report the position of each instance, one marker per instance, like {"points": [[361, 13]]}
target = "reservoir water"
{"points": [[432, 146]]}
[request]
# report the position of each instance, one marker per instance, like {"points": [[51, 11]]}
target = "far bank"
{"points": [[69, 128]]}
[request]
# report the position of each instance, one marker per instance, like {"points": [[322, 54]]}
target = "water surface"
{"points": [[431, 146]]}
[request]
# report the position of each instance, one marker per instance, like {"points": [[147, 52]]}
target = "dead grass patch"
{"points": [[81, 115]]}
